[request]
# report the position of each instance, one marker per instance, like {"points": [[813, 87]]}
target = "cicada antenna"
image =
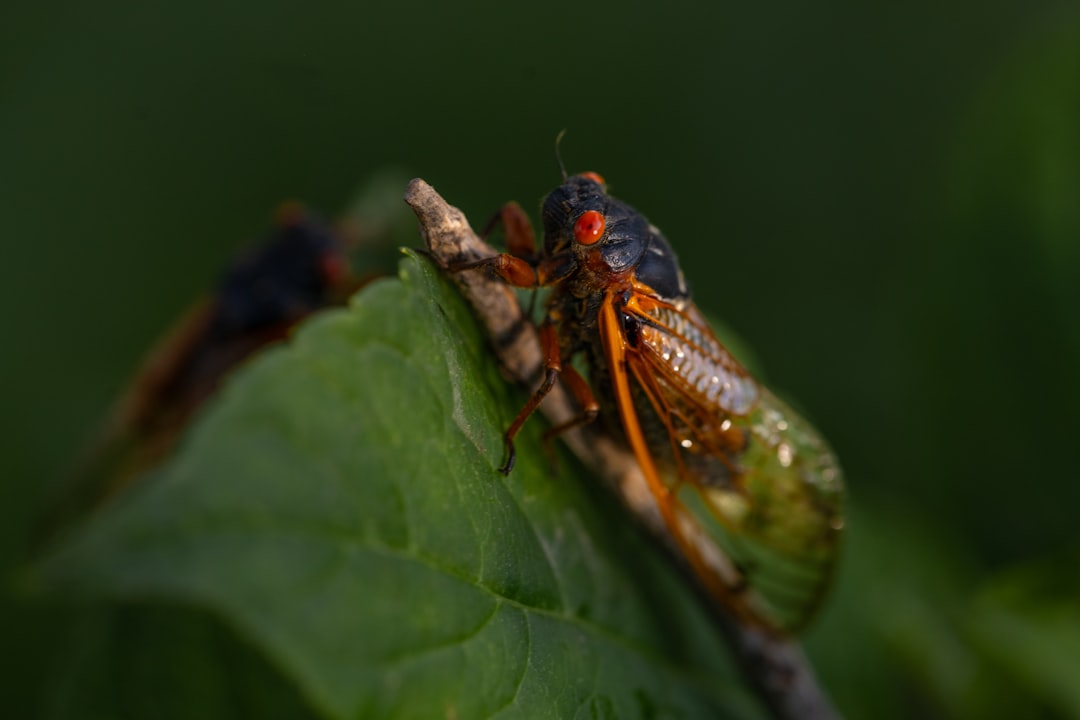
{"points": [[558, 155]]}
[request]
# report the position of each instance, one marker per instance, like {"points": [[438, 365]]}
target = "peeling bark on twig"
{"points": [[774, 665]]}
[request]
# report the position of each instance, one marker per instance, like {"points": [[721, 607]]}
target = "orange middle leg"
{"points": [[549, 343]]}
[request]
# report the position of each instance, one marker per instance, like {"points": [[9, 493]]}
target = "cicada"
{"points": [[300, 267], [749, 493]]}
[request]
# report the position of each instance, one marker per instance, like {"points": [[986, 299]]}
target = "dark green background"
{"points": [[883, 200]]}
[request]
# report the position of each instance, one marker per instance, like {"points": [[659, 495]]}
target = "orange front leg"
{"points": [[518, 266], [513, 270], [517, 229]]}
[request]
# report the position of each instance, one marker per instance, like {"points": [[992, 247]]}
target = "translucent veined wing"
{"points": [[749, 491]]}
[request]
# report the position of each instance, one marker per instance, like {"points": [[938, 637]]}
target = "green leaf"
{"points": [[170, 663], [338, 506]]}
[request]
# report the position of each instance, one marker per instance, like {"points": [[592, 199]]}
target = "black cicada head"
{"points": [[580, 217], [606, 235]]}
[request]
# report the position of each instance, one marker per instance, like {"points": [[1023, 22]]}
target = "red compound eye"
{"points": [[589, 227], [595, 177]]}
